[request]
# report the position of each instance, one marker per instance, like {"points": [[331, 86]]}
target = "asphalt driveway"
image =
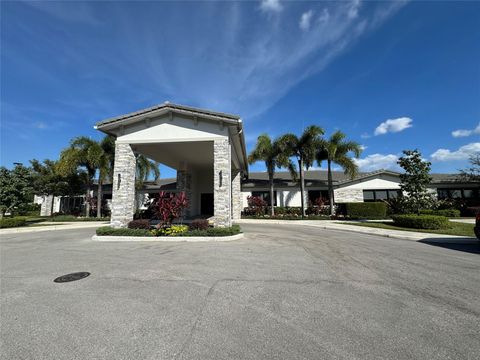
{"points": [[283, 292]]}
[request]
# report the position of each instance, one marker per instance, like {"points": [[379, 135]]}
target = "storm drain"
{"points": [[71, 277]]}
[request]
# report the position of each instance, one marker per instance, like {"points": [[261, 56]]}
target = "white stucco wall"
{"points": [[177, 130]]}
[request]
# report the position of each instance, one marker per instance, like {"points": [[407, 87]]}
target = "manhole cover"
{"points": [[71, 277]]}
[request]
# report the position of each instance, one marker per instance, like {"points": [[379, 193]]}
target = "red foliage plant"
{"points": [[170, 206]]}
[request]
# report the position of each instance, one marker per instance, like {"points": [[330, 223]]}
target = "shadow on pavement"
{"points": [[470, 245]]}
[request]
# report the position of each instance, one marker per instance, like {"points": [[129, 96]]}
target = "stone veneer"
{"points": [[348, 195], [184, 183], [236, 194], [123, 191], [222, 182]]}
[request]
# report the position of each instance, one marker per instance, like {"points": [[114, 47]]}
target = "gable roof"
{"points": [[165, 108]]}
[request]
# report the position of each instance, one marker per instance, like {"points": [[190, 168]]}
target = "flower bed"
{"points": [[172, 231]]}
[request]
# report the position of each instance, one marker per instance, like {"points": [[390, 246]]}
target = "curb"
{"points": [[167, 238], [393, 234], [20, 230]]}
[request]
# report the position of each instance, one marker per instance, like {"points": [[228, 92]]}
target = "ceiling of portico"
{"points": [[179, 155]]}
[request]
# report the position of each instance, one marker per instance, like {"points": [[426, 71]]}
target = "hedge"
{"points": [[109, 231], [13, 222], [366, 210], [431, 222], [444, 212]]}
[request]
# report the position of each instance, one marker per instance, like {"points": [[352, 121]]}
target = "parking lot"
{"points": [[282, 292]]}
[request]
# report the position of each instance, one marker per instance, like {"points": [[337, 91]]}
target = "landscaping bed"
{"points": [[172, 231]]}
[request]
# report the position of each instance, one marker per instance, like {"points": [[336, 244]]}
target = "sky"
{"points": [[391, 75]]}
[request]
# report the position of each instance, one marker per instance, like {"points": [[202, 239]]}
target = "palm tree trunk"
{"points": [[330, 188], [99, 198], [272, 200], [87, 202], [302, 186]]}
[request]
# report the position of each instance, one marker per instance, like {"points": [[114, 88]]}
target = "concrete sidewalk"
{"points": [[51, 226], [339, 225]]}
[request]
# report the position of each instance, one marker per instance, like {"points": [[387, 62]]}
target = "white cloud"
{"points": [[464, 133], [393, 125], [353, 9], [325, 16], [40, 125], [305, 20], [463, 153], [378, 161], [271, 5]]}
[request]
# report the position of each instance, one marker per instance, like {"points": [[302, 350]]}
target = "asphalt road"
{"points": [[283, 292]]}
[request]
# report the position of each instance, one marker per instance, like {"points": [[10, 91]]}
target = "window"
{"points": [[380, 195], [265, 195], [457, 193]]}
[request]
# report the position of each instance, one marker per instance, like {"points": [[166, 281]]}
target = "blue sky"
{"points": [[392, 75]]}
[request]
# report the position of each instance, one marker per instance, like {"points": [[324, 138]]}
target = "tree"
{"points": [[336, 150], [271, 153], [88, 154], [303, 148], [415, 180], [472, 173], [47, 181], [145, 168], [15, 188]]}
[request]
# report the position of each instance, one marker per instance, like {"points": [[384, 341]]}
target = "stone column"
{"points": [[236, 194], [222, 183], [123, 192], [184, 183]]}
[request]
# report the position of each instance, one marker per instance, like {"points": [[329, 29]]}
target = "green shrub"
{"points": [[233, 230], [366, 210], [13, 222], [173, 230], [443, 212], [431, 222], [110, 231], [139, 224]]}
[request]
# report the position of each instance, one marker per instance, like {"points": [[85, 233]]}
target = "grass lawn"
{"points": [[460, 229]]}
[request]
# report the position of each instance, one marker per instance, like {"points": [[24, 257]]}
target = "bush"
{"points": [[12, 222], [449, 213], [199, 224], [30, 209], [110, 231], [366, 210], [139, 224], [430, 222], [233, 230], [173, 230]]}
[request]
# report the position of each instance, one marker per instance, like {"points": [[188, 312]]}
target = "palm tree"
{"points": [[336, 150], [145, 169], [303, 148], [271, 153], [93, 156]]}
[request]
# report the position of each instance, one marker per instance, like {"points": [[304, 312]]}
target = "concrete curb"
{"points": [[167, 238], [394, 234], [90, 224]]}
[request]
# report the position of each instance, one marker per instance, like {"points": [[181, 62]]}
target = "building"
{"points": [[208, 151]]}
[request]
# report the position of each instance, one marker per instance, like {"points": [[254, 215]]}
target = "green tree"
{"points": [[271, 154], [336, 150], [303, 148], [91, 156], [15, 188], [145, 168], [414, 180]]}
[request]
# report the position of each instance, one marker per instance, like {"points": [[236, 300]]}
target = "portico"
{"points": [[206, 148]]}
